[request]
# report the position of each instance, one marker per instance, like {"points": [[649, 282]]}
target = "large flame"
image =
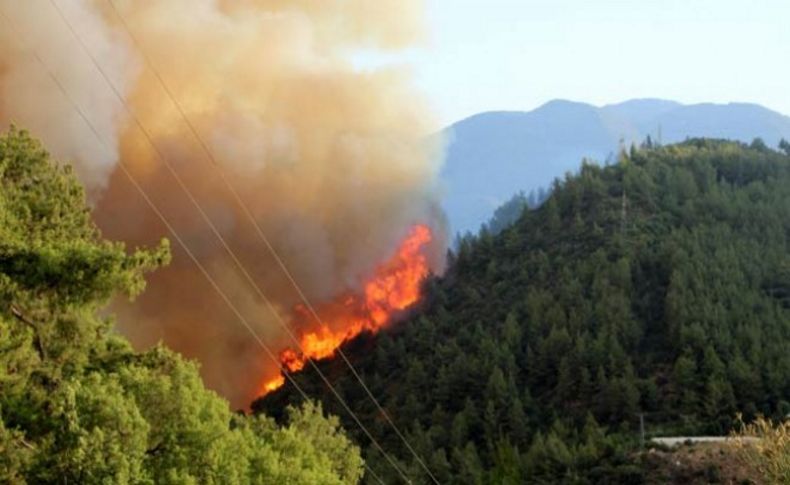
{"points": [[394, 287]]}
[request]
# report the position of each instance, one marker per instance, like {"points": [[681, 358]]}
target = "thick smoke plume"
{"points": [[331, 159]]}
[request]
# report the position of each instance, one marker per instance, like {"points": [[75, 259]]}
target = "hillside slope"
{"points": [[659, 285], [491, 156]]}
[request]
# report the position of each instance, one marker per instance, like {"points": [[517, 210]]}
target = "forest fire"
{"points": [[395, 286]]}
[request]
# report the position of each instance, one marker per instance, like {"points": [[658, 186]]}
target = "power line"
{"points": [[161, 216], [205, 217], [181, 242], [245, 208], [214, 229]]}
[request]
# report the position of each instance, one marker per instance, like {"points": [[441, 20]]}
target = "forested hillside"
{"points": [[77, 404], [659, 285]]}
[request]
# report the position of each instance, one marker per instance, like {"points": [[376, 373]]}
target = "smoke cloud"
{"points": [[332, 160], [28, 97]]}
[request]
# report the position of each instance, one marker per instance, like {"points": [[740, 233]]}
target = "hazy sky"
{"points": [[516, 54]]}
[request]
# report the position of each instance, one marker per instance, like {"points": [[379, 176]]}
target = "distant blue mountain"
{"points": [[491, 156]]}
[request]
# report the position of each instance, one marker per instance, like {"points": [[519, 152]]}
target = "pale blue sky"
{"points": [[517, 54]]}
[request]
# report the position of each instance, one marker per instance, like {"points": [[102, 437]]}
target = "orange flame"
{"points": [[394, 287]]}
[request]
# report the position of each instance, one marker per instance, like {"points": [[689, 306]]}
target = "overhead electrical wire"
{"points": [[248, 213], [212, 226], [188, 251]]}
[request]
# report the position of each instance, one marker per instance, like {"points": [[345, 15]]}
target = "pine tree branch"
{"points": [[17, 313]]}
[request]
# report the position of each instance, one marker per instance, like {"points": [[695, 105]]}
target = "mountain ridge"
{"points": [[492, 155]]}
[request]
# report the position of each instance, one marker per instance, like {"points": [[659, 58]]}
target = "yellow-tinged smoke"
{"points": [[331, 159]]}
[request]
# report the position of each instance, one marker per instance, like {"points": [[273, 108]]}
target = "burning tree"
{"points": [[394, 287]]}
